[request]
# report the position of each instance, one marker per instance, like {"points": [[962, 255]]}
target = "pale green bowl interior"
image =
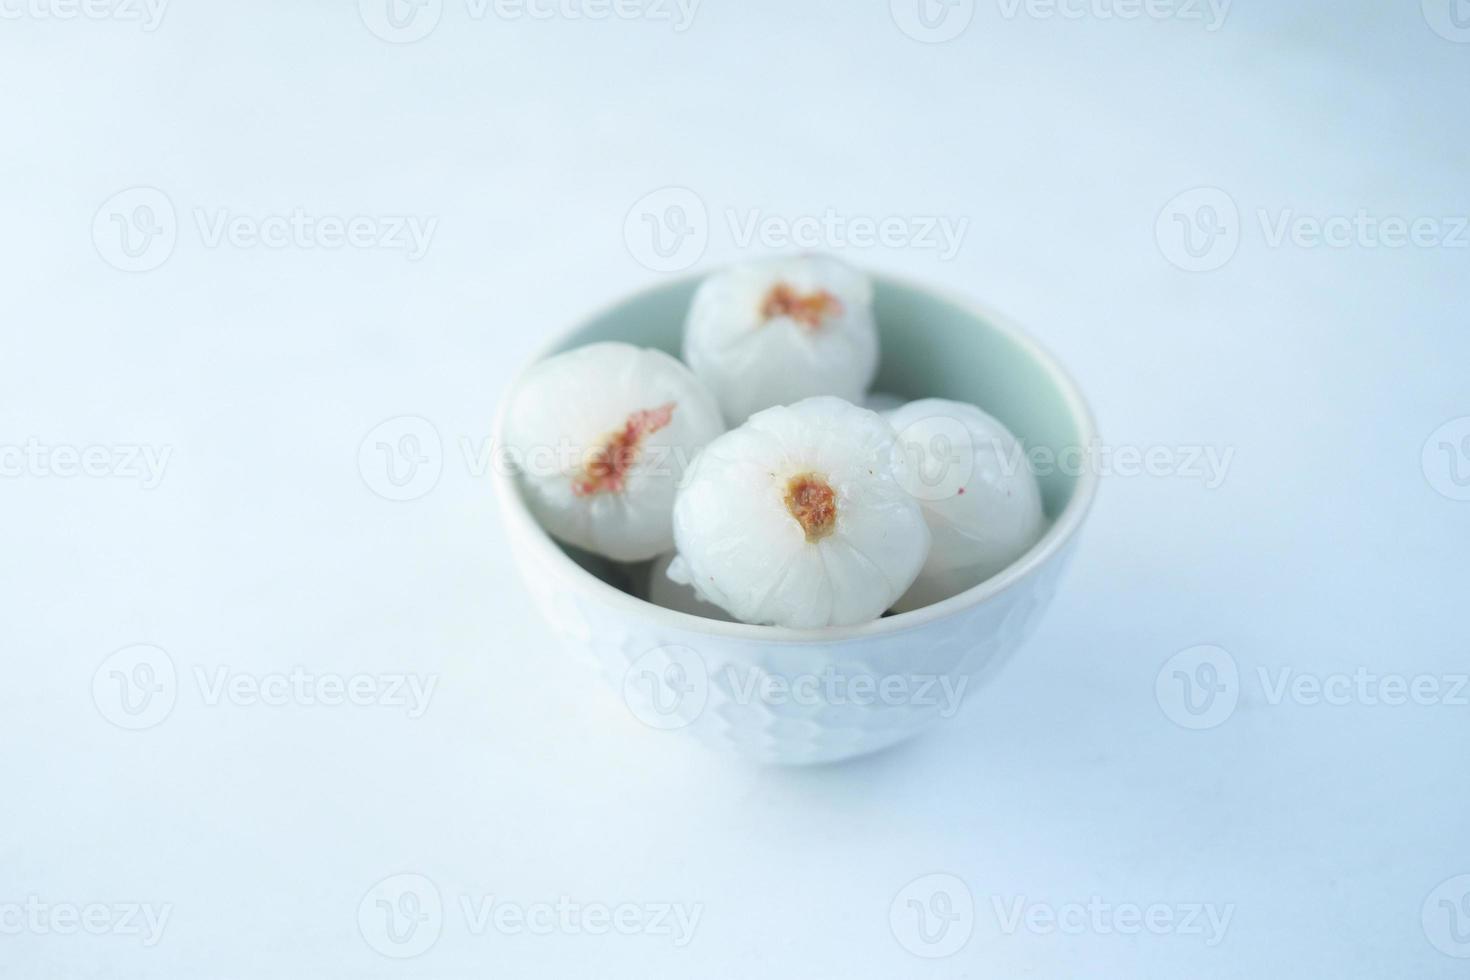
{"points": [[931, 348]]}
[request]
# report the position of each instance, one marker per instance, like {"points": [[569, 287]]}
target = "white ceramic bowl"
{"points": [[804, 696]]}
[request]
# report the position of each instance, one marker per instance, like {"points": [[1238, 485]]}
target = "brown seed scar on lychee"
{"points": [[606, 471], [807, 309], [812, 501]]}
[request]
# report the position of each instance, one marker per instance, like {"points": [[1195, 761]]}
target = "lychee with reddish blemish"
{"points": [[607, 469], [600, 438]]}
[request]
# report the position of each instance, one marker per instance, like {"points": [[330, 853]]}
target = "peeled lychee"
{"points": [[776, 331], [979, 495], [796, 518], [600, 438], [677, 594]]}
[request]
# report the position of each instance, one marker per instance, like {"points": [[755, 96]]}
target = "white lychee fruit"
{"points": [[600, 437], [796, 518], [979, 495], [677, 594], [775, 331]]}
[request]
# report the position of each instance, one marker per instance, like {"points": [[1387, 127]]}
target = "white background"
{"points": [[1332, 543]]}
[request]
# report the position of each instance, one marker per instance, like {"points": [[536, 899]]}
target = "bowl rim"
{"points": [[1062, 530]]}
